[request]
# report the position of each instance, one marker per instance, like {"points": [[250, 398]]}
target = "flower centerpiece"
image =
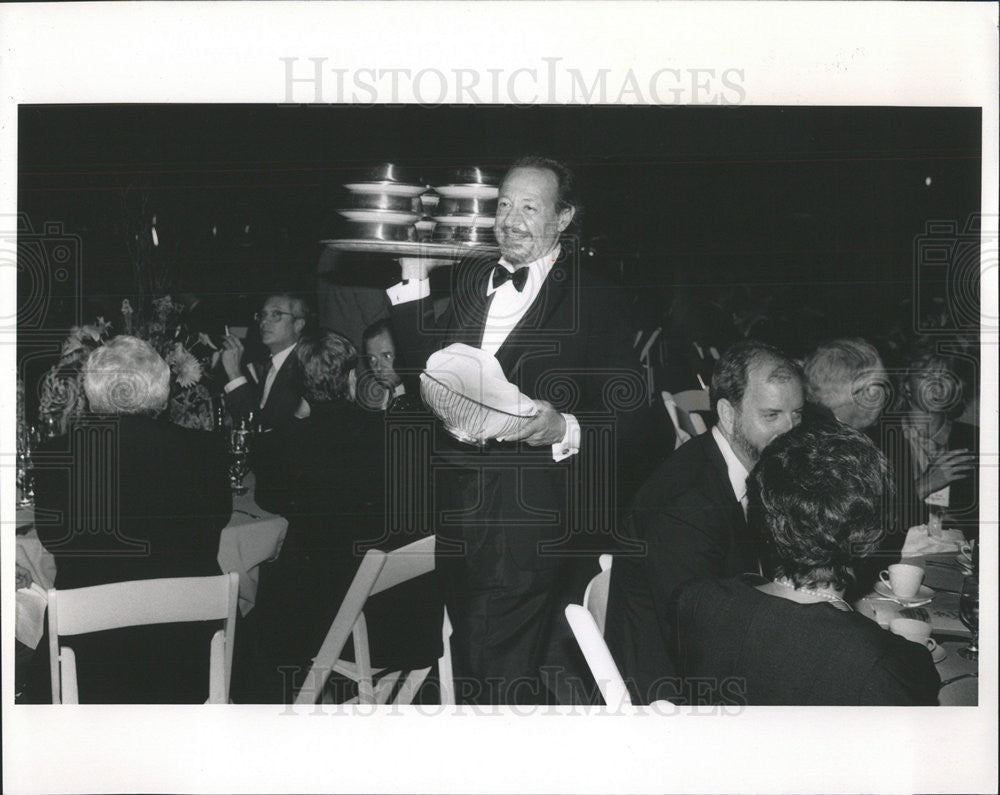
{"points": [[62, 398]]}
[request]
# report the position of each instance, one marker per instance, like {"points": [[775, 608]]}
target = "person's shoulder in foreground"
{"points": [[740, 646]]}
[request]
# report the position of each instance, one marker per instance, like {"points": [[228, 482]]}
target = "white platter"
{"points": [[388, 188], [407, 248], [468, 191]]}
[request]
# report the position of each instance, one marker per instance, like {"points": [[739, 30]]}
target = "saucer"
{"points": [[939, 654], [923, 594]]}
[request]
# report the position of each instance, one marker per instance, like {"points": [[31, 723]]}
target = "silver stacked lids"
{"points": [[467, 207], [384, 205], [392, 204]]}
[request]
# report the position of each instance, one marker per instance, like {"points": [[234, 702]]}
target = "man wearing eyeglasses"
{"points": [[273, 391]]}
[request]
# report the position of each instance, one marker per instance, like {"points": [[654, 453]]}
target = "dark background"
{"points": [[808, 216]]}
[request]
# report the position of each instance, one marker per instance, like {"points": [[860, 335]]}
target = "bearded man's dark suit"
{"points": [[693, 528], [157, 496], [282, 401], [505, 515]]}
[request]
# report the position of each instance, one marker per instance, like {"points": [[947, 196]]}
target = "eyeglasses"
{"points": [[274, 315]]}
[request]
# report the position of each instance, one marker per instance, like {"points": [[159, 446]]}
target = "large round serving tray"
{"points": [[410, 248]]}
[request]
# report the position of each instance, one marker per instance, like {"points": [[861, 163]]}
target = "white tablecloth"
{"points": [[252, 537]]}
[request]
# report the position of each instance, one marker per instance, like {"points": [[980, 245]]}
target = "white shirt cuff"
{"points": [[236, 382], [412, 290], [570, 444]]}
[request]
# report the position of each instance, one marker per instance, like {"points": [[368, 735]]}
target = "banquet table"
{"points": [[943, 575], [253, 536]]}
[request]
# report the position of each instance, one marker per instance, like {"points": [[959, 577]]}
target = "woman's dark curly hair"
{"points": [[819, 491]]}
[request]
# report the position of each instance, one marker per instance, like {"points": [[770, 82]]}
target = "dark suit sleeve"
{"points": [[412, 330], [902, 677], [684, 542], [242, 400]]}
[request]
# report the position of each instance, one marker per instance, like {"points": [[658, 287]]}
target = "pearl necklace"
{"points": [[828, 597]]}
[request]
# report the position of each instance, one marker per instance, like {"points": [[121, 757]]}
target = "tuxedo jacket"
{"points": [[573, 349], [693, 527], [282, 401]]}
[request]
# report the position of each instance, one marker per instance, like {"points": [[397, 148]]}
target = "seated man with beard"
{"points": [[691, 514], [326, 474], [817, 492]]}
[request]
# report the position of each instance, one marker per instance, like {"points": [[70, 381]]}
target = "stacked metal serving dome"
{"points": [[385, 205], [467, 207], [392, 204]]}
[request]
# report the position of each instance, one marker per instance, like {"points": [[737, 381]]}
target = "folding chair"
{"points": [[379, 571], [595, 598], [588, 622], [140, 602], [599, 660], [683, 409]]}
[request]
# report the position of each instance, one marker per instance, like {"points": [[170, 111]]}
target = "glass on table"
{"points": [[968, 611]]}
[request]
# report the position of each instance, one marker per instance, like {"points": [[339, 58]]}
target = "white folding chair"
{"points": [[599, 660], [139, 602], [595, 598], [379, 571], [683, 409], [588, 622]]}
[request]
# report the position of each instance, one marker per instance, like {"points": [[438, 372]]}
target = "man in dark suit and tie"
{"points": [[504, 514], [273, 390], [691, 514]]}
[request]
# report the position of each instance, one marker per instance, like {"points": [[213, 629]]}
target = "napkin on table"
{"points": [[30, 607], [919, 542]]}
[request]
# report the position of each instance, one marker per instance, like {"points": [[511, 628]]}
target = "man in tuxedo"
{"points": [[504, 515], [272, 389], [691, 514]]}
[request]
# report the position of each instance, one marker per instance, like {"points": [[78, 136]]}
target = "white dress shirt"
{"points": [[737, 472], [505, 312]]}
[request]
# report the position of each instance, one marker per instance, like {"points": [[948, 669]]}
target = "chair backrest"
{"points": [[379, 571], [599, 660], [595, 598], [141, 602], [683, 408], [693, 400]]}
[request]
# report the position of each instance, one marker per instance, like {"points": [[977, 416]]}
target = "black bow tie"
{"points": [[517, 278]]}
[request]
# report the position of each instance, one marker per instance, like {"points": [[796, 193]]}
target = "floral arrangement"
{"points": [[62, 398]]}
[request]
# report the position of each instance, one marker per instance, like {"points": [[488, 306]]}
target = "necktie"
{"points": [[517, 278]]}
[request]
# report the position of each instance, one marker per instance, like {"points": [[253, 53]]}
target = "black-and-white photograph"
{"points": [[659, 402]]}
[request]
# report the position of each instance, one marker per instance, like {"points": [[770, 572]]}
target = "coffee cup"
{"points": [[903, 578], [914, 630]]}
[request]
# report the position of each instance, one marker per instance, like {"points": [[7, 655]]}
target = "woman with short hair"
{"points": [[133, 496], [817, 491]]}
